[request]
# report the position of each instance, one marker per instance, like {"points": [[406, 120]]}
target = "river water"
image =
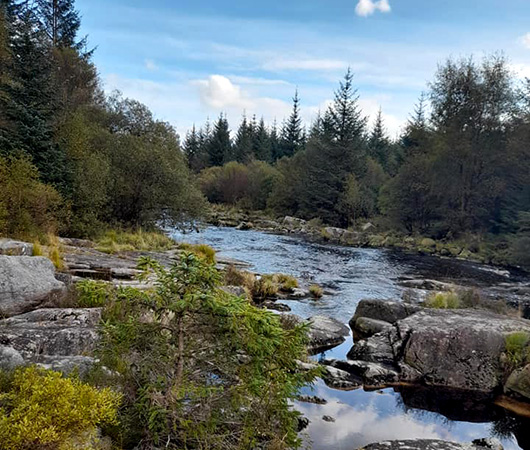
{"points": [[349, 275]]}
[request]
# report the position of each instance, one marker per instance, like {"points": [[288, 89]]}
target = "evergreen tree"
{"points": [[416, 134], [31, 106], [220, 145], [243, 143], [378, 142], [274, 139], [293, 139], [60, 21], [261, 144], [195, 151]]}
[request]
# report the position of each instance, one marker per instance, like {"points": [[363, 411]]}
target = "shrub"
{"points": [[41, 409], [114, 241], [316, 291], [517, 349], [28, 208], [92, 294], [443, 300], [206, 369]]}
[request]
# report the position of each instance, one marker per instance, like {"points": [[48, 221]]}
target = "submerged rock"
{"points": [[27, 282]]}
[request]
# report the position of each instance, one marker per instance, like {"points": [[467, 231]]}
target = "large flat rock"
{"points": [[26, 283], [51, 337], [459, 348]]}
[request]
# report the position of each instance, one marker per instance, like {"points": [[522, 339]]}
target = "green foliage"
{"points": [[517, 349], [443, 300], [115, 241], [92, 293], [316, 291], [40, 409], [28, 208], [201, 368]]}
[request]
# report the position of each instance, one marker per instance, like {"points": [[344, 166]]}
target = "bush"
{"points": [[205, 369], [443, 300], [264, 288], [92, 294], [40, 409], [235, 277], [316, 291], [517, 349], [115, 241], [28, 208]]}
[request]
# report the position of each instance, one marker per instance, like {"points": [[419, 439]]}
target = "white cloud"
{"points": [[366, 8], [151, 65], [305, 64], [525, 40], [220, 93]]}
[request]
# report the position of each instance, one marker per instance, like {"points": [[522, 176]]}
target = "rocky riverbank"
{"points": [[39, 324], [367, 235]]}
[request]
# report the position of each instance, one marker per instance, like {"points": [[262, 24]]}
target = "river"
{"points": [[349, 275]]}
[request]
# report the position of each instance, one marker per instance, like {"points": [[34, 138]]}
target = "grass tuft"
{"points": [[443, 300], [316, 291], [115, 241]]}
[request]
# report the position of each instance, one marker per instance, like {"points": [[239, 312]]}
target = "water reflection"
{"points": [[363, 417]]}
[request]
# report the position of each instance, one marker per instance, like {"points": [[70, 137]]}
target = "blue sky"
{"points": [[189, 60]]}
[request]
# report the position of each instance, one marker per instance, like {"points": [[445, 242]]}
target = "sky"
{"points": [[190, 60]]}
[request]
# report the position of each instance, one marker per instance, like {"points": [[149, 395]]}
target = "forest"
{"points": [[72, 157]]}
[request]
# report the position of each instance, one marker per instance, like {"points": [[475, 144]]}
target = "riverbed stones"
{"points": [[340, 379], [26, 283]]}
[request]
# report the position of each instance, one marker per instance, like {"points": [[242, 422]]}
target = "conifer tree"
{"points": [[60, 21], [220, 145], [261, 142], [292, 139], [243, 142]]}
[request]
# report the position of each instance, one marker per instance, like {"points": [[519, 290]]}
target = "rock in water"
{"points": [[26, 283], [325, 333]]}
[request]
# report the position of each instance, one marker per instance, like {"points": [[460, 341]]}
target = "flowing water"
{"points": [[349, 275]]}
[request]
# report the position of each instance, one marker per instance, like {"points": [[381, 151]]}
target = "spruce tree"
{"points": [[293, 139], [243, 144], [220, 145], [31, 105], [60, 21], [261, 143], [194, 150], [378, 143]]}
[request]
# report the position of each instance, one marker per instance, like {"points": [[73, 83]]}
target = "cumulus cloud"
{"points": [[366, 8], [220, 93], [525, 40]]}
